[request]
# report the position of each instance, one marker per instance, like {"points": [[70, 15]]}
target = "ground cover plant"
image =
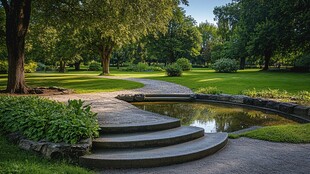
{"points": [[283, 133], [15, 160], [42, 119]]}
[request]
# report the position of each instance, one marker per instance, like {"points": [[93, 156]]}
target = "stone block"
{"points": [[260, 102], [203, 96], [248, 100], [287, 107], [125, 97], [301, 110], [273, 105], [237, 98], [223, 97], [139, 97]]}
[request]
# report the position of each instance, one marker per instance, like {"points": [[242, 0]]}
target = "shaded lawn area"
{"points": [[85, 82], [15, 160], [232, 83]]}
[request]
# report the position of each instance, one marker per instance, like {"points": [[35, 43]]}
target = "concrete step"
{"points": [[140, 127], [152, 157], [149, 139]]}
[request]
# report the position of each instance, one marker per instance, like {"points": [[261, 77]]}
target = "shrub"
{"points": [[94, 66], [43, 119], [209, 90], [225, 66], [3, 67], [174, 70], [142, 67], [266, 93], [184, 63], [41, 67], [31, 67]]}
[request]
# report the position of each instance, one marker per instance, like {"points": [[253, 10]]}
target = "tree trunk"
{"points": [[106, 52], [17, 22], [242, 63], [62, 66], [267, 57], [77, 66], [117, 63]]}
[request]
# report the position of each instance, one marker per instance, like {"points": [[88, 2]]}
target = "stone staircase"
{"points": [[149, 145]]}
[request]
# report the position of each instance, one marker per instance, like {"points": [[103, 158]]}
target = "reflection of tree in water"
{"points": [[226, 118]]}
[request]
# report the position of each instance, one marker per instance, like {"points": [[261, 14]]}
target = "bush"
{"points": [[3, 67], [225, 66], [142, 67], [209, 90], [43, 119], [31, 67], [266, 93], [94, 66], [184, 63], [174, 70], [41, 67]]}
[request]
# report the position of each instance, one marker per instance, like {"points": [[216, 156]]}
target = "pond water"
{"points": [[214, 117]]}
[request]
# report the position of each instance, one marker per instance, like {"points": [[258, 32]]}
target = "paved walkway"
{"points": [[240, 156]]}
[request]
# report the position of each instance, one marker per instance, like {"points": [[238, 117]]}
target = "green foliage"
{"points": [[41, 67], [184, 63], [38, 119], [209, 90], [174, 70], [3, 67], [31, 67], [142, 67], [283, 133], [300, 96], [225, 66], [94, 66]]}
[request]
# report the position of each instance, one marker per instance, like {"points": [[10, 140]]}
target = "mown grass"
{"points": [[15, 160], [87, 82], [282, 133]]}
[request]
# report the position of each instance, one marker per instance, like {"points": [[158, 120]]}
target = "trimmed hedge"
{"points": [[42, 119], [185, 64], [225, 66], [174, 70]]}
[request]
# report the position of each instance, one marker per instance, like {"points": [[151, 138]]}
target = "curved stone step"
{"points": [[149, 139], [152, 157], [140, 127]]}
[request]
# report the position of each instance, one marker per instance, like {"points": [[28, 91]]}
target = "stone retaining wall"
{"points": [[297, 112], [52, 150]]}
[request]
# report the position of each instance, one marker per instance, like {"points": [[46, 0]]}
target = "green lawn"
{"points": [[84, 82], [230, 83], [233, 83], [283, 133], [15, 160]]}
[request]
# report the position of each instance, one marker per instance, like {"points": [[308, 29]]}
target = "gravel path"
{"points": [[240, 156]]}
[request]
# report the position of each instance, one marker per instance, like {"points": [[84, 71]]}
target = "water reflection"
{"points": [[214, 117]]}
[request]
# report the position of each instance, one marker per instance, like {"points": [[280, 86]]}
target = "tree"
{"points": [[182, 39], [17, 23]]}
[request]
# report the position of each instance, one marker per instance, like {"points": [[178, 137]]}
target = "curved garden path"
{"points": [[241, 155]]}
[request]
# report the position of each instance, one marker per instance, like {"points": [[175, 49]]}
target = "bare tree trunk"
{"points": [[17, 22], [106, 52], [77, 66], [267, 57], [62, 66], [242, 63]]}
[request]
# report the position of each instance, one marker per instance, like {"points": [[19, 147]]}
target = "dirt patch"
{"points": [[44, 91]]}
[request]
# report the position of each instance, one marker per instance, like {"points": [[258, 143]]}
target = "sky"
{"points": [[202, 10]]}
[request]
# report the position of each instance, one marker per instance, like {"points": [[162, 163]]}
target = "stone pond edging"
{"points": [[52, 150], [297, 112]]}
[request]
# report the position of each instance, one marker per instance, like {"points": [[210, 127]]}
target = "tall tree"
{"points": [[17, 22]]}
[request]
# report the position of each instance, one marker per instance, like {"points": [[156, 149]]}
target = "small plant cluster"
{"points": [[3, 67], [225, 66], [42, 119], [142, 67], [184, 63], [278, 94], [174, 70], [209, 90], [94, 66], [29, 67]]}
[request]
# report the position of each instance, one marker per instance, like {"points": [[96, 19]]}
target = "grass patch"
{"points": [[80, 82], [15, 160], [283, 133]]}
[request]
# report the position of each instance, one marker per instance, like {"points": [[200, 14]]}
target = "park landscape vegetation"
{"points": [[142, 39]]}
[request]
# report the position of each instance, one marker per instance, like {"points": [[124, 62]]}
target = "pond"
{"points": [[214, 117]]}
